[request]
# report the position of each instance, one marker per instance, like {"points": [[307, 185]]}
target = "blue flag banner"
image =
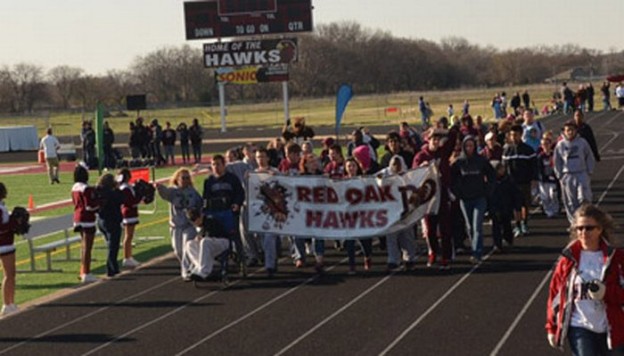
{"points": [[345, 93]]}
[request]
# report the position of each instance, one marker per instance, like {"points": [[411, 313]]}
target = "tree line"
{"points": [[372, 61]]}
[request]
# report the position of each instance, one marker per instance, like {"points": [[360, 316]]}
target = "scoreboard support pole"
{"points": [[286, 107], [222, 105]]}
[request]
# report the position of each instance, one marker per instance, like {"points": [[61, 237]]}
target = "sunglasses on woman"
{"points": [[588, 228]]}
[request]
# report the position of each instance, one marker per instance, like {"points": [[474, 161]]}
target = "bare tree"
{"points": [[65, 80], [117, 85], [25, 86]]}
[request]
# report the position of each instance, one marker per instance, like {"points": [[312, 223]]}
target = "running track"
{"points": [[496, 308]]}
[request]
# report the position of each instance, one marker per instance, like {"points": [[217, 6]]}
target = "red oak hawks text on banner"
{"points": [[321, 207]]}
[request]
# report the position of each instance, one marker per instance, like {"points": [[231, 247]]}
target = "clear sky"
{"points": [[109, 34]]}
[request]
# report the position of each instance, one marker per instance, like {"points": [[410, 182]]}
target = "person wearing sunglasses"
{"points": [[586, 291]]}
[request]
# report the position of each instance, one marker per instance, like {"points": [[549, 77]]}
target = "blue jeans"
{"points": [[587, 343], [367, 249], [169, 154], [269, 245], [474, 210], [112, 234], [197, 152]]}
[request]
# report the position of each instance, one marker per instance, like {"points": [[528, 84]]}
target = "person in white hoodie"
{"points": [[401, 242], [574, 163]]}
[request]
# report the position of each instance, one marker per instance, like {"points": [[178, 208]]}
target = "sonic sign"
{"points": [[252, 75], [248, 53]]}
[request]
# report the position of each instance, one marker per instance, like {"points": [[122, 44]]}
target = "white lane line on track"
{"points": [[432, 307], [334, 314], [144, 325], [255, 311], [615, 135], [513, 325], [88, 315], [541, 285], [604, 194]]}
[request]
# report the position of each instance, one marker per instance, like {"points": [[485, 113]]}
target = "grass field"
{"points": [[31, 286], [367, 110], [363, 110], [22, 185]]}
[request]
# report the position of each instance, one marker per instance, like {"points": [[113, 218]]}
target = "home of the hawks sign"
{"points": [[246, 53]]}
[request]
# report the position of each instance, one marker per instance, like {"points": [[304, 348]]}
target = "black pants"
{"points": [[112, 234], [197, 152], [501, 229], [185, 152]]}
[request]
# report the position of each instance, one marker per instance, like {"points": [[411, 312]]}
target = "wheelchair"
{"points": [[224, 223]]}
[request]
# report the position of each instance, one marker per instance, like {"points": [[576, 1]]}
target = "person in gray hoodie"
{"points": [[574, 163], [472, 179], [181, 196]]}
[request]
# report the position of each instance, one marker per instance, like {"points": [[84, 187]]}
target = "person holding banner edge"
{"points": [[352, 170], [438, 150]]}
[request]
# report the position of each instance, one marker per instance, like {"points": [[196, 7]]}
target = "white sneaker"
{"points": [[9, 309], [88, 278], [130, 263]]}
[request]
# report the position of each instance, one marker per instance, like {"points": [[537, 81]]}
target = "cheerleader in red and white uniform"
{"points": [[7, 256], [130, 213], [86, 205]]}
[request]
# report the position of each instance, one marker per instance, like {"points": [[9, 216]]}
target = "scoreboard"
{"points": [[241, 7], [236, 18]]}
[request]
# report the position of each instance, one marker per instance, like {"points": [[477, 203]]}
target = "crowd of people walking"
{"points": [[496, 171]]}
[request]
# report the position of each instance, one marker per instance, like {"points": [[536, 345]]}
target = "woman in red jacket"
{"points": [[130, 214], [86, 205], [586, 297]]}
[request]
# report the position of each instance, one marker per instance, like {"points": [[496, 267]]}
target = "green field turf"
{"points": [[363, 110], [31, 286], [21, 186]]}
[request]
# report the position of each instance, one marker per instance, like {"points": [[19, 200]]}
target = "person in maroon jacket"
{"points": [[586, 291], [86, 205], [290, 165], [130, 215], [438, 151], [335, 167], [7, 256]]}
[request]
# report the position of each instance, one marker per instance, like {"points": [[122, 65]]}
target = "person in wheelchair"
{"points": [[202, 252]]}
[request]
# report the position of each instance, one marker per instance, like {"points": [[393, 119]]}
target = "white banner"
{"points": [[320, 207]]}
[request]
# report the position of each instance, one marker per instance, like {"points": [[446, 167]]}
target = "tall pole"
{"points": [[286, 109], [222, 105]]}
